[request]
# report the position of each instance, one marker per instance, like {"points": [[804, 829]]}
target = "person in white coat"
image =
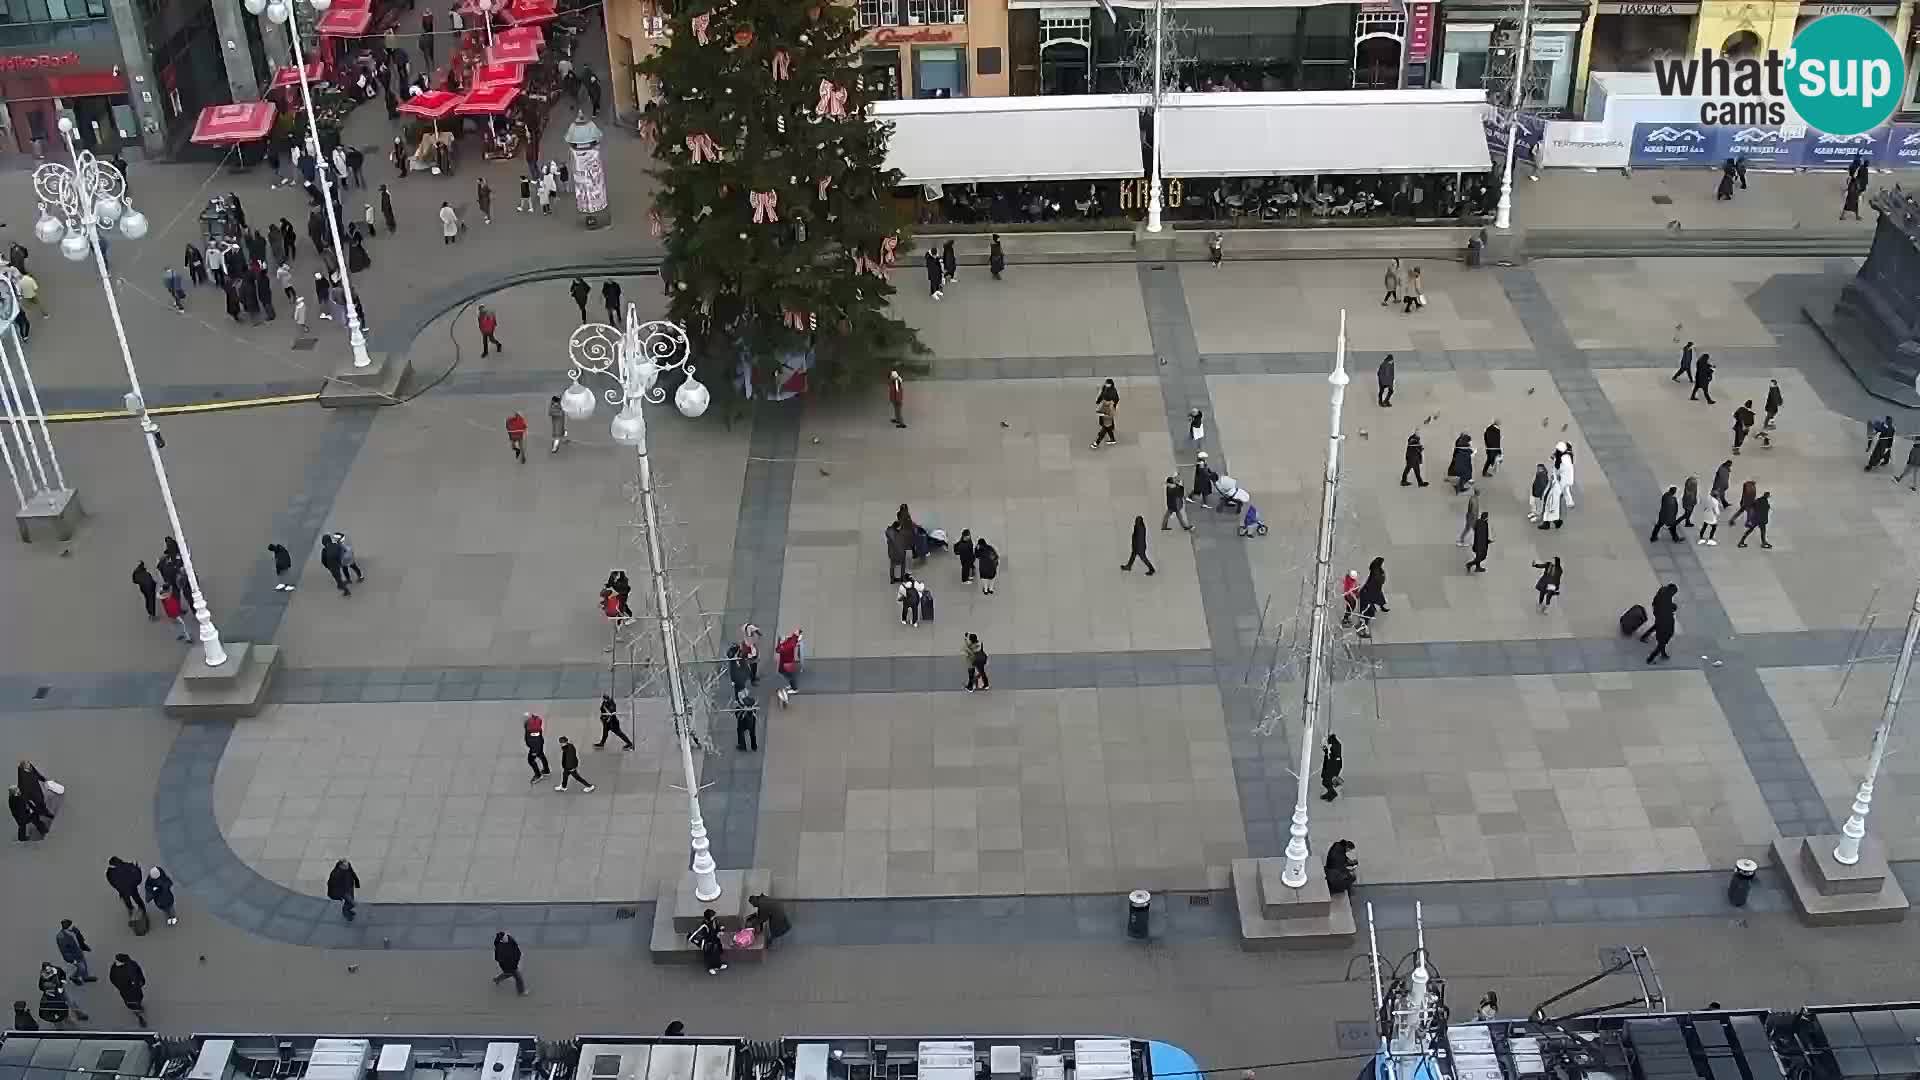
{"points": [[1710, 512], [1552, 505], [1563, 466], [449, 224]]}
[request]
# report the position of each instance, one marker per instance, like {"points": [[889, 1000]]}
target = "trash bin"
{"points": [[1741, 883], [1476, 251], [1139, 902]]}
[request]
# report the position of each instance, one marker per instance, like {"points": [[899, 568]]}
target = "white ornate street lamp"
{"points": [[634, 359], [76, 204], [280, 13], [1847, 852], [37, 480], [1503, 211]]}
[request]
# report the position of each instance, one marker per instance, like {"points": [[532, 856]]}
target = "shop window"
{"points": [[936, 11], [987, 61], [878, 13]]}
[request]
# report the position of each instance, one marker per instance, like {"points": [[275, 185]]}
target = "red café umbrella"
{"points": [[290, 75], [487, 101], [431, 104], [498, 75], [345, 20], [503, 51], [227, 125], [529, 12], [529, 34]]}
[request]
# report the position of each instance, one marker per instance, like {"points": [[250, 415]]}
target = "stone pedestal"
{"points": [[1273, 915], [1505, 247], [50, 514], [679, 911], [234, 690], [1874, 324], [1830, 893], [1152, 246], [378, 383]]}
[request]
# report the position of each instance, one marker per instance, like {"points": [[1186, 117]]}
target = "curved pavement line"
{"points": [[180, 410]]}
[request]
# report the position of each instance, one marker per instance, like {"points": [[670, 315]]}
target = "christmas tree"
{"points": [[774, 190]]}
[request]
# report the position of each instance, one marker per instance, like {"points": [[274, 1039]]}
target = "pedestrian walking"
{"points": [[610, 723], [483, 195], [1757, 517], [580, 291], [300, 322], [1473, 515], [897, 553], [489, 322], [935, 275], [1416, 454], [1775, 399], [1384, 373], [175, 610], [907, 592], [330, 559], [1553, 503], [282, 567], [1537, 492], [386, 209], [1723, 192], [74, 949], [610, 293], [125, 878], [963, 550], [545, 189], [1689, 498], [1482, 540], [1665, 616], [517, 437], [1332, 761], [26, 812], [349, 562], [1710, 512], [570, 766], [196, 265], [449, 224], [159, 890], [1879, 443], [1911, 468], [283, 275], [988, 558], [593, 90], [997, 258], [126, 977], [1749, 491], [557, 422], [1203, 479], [56, 1001], [150, 589], [746, 723], [1547, 586], [707, 938], [1702, 378], [175, 288], [1416, 291], [1392, 294], [897, 397], [1104, 414], [1216, 248], [949, 262], [1138, 546], [322, 290], [1742, 423], [1850, 201], [525, 205], [1722, 477], [1669, 516], [533, 732], [1372, 597], [23, 1018], [1176, 507], [1490, 446], [35, 786], [1684, 373], [1460, 469], [1563, 470], [976, 657], [506, 955], [342, 883]]}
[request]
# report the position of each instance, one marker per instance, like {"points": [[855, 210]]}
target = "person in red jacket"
{"points": [[517, 436], [171, 606], [489, 322], [897, 395], [788, 652]]}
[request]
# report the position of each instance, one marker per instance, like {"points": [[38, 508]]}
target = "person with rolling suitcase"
{"points": [[926, 603], [1632, 620]]}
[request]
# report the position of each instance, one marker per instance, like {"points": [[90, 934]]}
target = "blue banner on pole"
{"points": [[1901, 148], [1838, 151], [1529, 133], [1892, 146]]}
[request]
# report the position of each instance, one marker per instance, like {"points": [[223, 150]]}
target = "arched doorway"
{"points": [[1376, 62], [1064, 66], [1741, 45]]}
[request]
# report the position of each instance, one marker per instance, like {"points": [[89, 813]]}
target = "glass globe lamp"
{"points": [[576, 401], [49, 229], [628, 425], [692, 398], [133, 226], [74, 246]]}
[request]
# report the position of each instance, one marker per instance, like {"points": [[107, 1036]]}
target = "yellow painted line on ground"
{"points": [[179, 410]]}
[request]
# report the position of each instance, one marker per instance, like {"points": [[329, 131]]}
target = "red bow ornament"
{"points": [[701, 146], [782, 65], [796, 320], [763, 206], [861, 264], [654, 225], [649, 130], [833, 101], [824, 181], [700, 27], [889, 249]]}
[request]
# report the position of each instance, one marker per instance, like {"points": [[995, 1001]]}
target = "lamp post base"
{"points": [[1274, 916], [235, 689], [679, 911], [1828, 892], [378, 383], [53, 514]]}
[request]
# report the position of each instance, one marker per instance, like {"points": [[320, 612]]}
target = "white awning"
{"points": [[960, 140], [1387, 132]]}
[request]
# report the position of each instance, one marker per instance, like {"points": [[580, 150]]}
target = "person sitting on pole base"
{"points": [[1342, 867]]}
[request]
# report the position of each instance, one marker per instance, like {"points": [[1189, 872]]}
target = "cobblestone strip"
{"points": [[1261, 768], [1775, 762]]}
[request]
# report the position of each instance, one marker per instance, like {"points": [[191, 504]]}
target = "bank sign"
{"points": [[1890, 146]]}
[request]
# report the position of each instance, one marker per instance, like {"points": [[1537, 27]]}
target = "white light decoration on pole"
{"points": [[1159, 51], [1294, 874], [38, 482], [1503, 212], [1847, 852], [633, 359], [76, 204], [280, 12]]}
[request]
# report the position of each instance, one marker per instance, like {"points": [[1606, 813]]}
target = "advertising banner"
{"points": [[1838, 151], [1576, 145], [1528, 134], [1900, 149], [1672, 144], [1653, 145]]}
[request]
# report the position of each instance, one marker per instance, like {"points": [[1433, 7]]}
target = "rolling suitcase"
{"points": [[139, 922], [926, 605], [1632, 620]]}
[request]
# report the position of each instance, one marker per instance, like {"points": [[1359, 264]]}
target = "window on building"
{"points": [[879, 13], [936, 11]]}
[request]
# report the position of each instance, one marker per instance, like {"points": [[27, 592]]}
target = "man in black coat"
{"points": [[506, 953], [1669, 518], [1332, 761], [1702, 378], [342, 883], [1385, 374], [1176, 506], [610, 292], [330, 558], [746, 723], [1416, 454], [570, 766], [25, 813], [125, 878], [149, 588], [126, 977]]}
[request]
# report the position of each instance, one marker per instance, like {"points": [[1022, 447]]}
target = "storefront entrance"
{"points": [[1631, 36]]}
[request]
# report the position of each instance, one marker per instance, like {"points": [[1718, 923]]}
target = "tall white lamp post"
{"points": [[1294, 874], [1855, 830], [38, 482], [77, 205], [1159, 48], [633, 359], [280, 13], [1503, 213]]}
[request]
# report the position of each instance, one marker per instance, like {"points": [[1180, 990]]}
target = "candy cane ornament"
{"points": [[763, 206]]}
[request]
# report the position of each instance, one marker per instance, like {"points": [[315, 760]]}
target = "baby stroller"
{"points": [[1252, 524], [1233, 497]]}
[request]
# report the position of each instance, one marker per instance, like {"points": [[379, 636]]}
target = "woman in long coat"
{"points": [[1460, 469], [1537, 494], [1551, 504], [1563, 464]]}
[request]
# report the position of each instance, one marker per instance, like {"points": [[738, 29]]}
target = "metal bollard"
{"points": [[1139, 903], [1741, 883]]}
